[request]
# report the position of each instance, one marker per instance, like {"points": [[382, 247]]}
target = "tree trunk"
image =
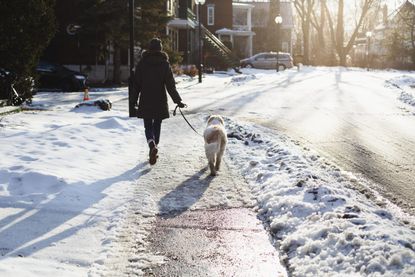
{"points": [[306, 29], [340, 33], [306, 41], [117, 64], [304, 9], [319, 25]]}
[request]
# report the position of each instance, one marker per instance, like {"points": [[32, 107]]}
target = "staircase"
{"points": [[217, 46]]}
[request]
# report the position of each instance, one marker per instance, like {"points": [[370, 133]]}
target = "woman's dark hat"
{"points": [[155, 45]]}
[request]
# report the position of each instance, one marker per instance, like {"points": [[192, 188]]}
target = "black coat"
{"points": [[152, 77]]}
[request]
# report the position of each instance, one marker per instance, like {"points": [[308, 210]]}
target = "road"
{"points": [[348, 116]]}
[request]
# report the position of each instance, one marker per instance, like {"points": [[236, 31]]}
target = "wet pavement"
{"points": [[224, 242]]}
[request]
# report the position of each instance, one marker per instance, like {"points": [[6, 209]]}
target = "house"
{"points": [[394, 32], [182, 28], [240, 35], [249, 31], [265, 27], [231, 30]]}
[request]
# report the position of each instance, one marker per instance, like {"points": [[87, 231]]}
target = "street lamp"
{"points": [[200, 3], [73, 29], [368, 37], [278, 21]]}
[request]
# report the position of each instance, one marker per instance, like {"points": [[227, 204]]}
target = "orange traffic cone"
{"points": [[86, 94]]}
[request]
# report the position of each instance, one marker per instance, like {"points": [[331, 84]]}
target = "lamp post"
{"points": [[278, 21], [368, 37], [74, 29], [132, 108], [200, 3]]}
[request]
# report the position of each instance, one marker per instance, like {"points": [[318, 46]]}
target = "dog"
{"points": [[215, 142]]}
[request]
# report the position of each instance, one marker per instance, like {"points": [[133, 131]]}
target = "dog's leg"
{"points": [[210, 150], [220, 155], [211, 160], [212, 168]]}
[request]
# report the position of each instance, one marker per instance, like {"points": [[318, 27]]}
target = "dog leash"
{"points": [[174, 114]]}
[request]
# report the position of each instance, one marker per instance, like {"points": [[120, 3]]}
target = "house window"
{"points": [[211, 15]]}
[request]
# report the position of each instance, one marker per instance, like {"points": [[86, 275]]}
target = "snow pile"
{"points": [[240, 80], [406, 84], [322, 225]]}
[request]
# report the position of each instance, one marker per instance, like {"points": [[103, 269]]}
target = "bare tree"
{"points": [[319, 22], [342, 44], [304, 9]]}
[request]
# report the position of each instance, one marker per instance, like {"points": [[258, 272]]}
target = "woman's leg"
{"points": [[151, 140], [149, 131], [157, 130]]}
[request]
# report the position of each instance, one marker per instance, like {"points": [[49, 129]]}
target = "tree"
{"points": [[26, 27], [113, 27], [342, 44], [319, 22], [402, 35], [397, 52], [304, 9]]}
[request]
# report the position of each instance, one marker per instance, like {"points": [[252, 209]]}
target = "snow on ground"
{"points": [[406, 85], [321, 224], [76, 190], [65, 179]]}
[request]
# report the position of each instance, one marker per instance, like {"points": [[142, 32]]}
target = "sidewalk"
{"points": [[78, 198], [195, 224]]}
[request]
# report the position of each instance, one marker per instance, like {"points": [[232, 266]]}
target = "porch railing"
{"points": [[220, 48]]}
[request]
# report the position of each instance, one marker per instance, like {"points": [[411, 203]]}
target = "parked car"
{"points": [[268, 60], [57, 77]]}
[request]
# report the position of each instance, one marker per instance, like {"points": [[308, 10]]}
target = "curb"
{"points": [[9, 109]]}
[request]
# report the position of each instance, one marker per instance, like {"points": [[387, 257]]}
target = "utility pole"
{"points": [[131, 109]]}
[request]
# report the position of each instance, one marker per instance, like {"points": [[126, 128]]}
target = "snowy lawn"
{"points": [[68, 183]]}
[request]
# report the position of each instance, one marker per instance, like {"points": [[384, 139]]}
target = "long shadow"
{"points": [[234, 101], [185, 195], [26, 236]]}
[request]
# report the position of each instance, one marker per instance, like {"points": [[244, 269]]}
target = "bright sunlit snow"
{"points": [[76, 189]]}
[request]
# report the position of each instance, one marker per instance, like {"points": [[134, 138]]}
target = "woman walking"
{"points": [[152, 77]]}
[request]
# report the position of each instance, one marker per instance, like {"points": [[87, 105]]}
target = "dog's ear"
{"points": [[210, 119]]}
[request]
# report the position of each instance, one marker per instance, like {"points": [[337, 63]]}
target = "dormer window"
{"points": [[211, 15]]}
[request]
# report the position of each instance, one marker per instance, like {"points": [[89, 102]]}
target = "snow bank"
{"points": [[65, 187], [318, 219], [406, 85]]}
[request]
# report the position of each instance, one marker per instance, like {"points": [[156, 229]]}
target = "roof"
{"points": [[226, 31]]}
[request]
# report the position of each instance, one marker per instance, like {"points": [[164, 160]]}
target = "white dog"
{"points": [[215, 142]]}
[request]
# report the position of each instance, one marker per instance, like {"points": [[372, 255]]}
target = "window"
{"points": [[260, 57], [271, 57], [211, 15]]}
